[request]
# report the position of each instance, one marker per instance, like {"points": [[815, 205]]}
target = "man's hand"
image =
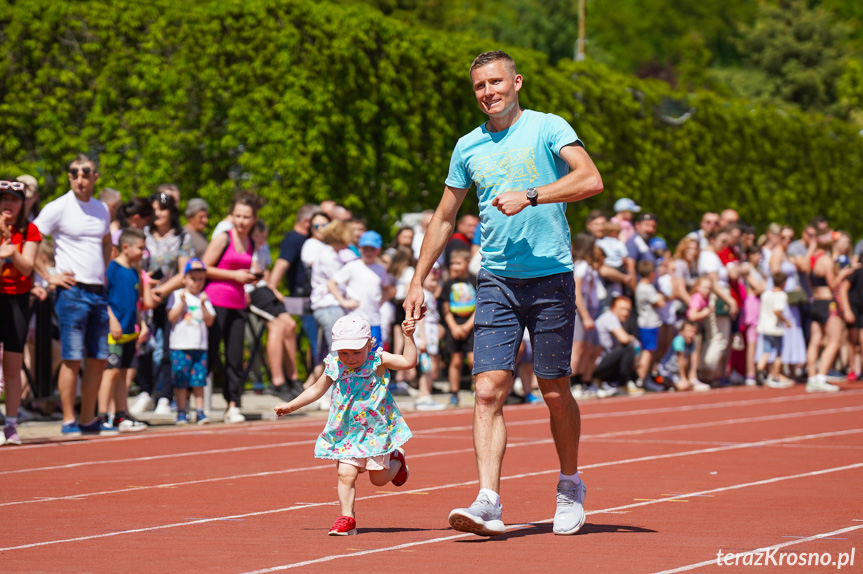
{"points": [[510, 202], [413, 304], [65, 280]]}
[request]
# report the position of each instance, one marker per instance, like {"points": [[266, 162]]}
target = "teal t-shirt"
{"points": [[535, 242]]}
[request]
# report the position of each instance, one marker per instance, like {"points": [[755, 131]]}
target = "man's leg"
{"points": [[565, 421], [489, 428], [67, 384], [90, 382], [483, 517]]}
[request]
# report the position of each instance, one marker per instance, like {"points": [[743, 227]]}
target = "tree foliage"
{"points": [[306, 101]]}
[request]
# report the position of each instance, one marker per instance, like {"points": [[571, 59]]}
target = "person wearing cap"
{"points": [[190, 314], [526, 167], [19, 242], [197, 217], [362, 285], [638, 245], [365, 430], [79, 224], [31, 195], [624, 210]]}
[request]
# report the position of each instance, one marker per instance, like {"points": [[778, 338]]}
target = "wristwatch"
{"points": [[532, 195]]}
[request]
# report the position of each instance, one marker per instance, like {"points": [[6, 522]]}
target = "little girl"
{"points": [[364, 430]]}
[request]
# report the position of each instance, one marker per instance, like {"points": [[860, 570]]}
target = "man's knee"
{"points": [[492, 389], [557, 396]]}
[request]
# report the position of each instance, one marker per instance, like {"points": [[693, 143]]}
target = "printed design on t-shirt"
{"points": [[194, 315], [513, 169], [462, 298]]}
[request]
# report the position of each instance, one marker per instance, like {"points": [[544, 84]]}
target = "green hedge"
{"points": [[305, 101]]}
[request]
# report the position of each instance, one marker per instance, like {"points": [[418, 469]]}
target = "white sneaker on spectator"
{"points": [[233, 416], [428, 404], [820, 386], [163, 407], [143, 402], [699, 386], [780, 383]]}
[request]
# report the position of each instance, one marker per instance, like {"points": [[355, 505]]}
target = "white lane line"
{"points": [[687, 426], [411, 415], [606, 510], [468, 483], [713, 562], [584, 437], [724, 447]]}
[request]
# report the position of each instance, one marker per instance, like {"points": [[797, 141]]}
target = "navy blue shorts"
{"points": [[506, 306]]}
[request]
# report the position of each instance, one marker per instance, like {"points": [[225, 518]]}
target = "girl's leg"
{"points": [[383, 477], [12, 373], [813, 349], [833, 337], [347, 487], [275, 351]]}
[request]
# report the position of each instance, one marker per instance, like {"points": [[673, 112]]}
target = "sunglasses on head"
{"points": [[162, 197], [13, 185], [73, 171]]}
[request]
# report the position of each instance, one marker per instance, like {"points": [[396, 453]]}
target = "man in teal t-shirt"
{"points": [[526, 166]]}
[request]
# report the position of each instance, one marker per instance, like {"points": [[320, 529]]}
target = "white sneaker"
{"points": [[781, 383], [143, 402], [163, 408], [750, 382], [518, 386], [816, 386], [428, 404], [233, 415], [699, 386]]}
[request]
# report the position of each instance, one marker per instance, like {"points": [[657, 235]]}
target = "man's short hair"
{"points": [[645, 267], [619, 298], [689, 323], [110, 195], [306, 212], [645, 217], [487, 58], [130, 235], [459, 252], [779, 279], [83, 158], [594, 214], [195, 206]]}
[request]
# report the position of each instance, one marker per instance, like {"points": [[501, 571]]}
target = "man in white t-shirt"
{"points": [[80, 227]]}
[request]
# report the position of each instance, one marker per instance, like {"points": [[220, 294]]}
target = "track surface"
{"points": [[672, 479]]}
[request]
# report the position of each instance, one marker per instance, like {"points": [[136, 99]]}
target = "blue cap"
{"points": [[194, 264], [658, 244], [371, 239], [626, 204]]}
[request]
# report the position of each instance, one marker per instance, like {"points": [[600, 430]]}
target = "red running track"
{"points": [[672, 479]]}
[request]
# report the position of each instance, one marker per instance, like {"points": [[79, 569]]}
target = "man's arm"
{"points": [[106, 248], [439, 231], [582, 181], [280, 267], [622, 336]]}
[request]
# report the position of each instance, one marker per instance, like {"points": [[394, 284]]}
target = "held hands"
{"points": [[510, 202], [409, 326], [283, 409], [414, 302]]}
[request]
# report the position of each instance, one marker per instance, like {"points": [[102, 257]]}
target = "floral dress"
{"points": [[364, 420]]}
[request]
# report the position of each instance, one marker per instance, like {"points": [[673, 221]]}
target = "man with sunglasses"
{"points": [[80, 227]]}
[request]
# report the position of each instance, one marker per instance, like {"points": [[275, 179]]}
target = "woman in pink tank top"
{"points": [[228, 259]]}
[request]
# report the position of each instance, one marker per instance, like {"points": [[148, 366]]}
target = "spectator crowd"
{"points": [[143, 300]]}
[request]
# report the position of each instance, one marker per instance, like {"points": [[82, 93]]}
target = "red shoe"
{"points": [[852, 376], [401, 476], [344, 526]]}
